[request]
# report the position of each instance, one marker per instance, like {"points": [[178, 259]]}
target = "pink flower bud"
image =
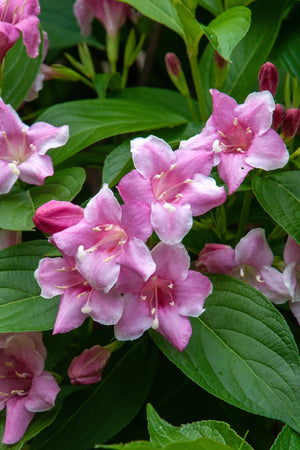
{"points": [[268, 78], [216, 258], [55, 216], [290, 123], [87, 368], [173, 64], [278, 115]]}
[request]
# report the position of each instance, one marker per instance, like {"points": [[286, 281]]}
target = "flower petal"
{"points": [[223, 111], [42, 394], [136, 220], [36, 168], [103, 208], [172, 261], [203, 194], [175, 328], [136, 256], [136, 318], [17, 419], [69, 314], [267, 151], [45, 136], [257, 112], [291, 251], [191, 293], [254, 250], [107, 308], [233, 169], [133, 187], [171, 223], [7, 177]]}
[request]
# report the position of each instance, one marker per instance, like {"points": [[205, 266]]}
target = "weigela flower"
{"points": [[55, 216], [87, 368], [164, 301], [108, 237], [172, 184], [111, 13], [25, 387], [23, 148], [16, 16], [251, 261], [240, 136], [58, 276], [291, 273]]}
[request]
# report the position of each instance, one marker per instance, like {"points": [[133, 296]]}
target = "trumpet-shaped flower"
{"points": [[23, 148], [240, 137], [108, 237], [58, 276], [111, 13], [250, 261], [16, 16], [165, 300], [25, 387], [173, 184], [291, 274]]}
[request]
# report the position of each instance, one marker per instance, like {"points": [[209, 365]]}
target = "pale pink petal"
{"points": [[203, 194], [191, 293], [254, 250], [175, 328], [128, 281], [107, 308], [189, 162], [36, 168], [216, 258], [103, 208], [295, 308], [267, 151], [31, 34], [8, 36], [71, 238], [136, 220], [233, 169], [17, 419], [171, 223], [11, 123], [69, 314], [7, 177], [133, 187], [84, 14], [22, 347], [223, 111], [45, 136], [257, 111], [151, 156], [42, 394], [136, 318], [9, 238], [172, 261], [291, 281], [272, 285], [203, 141], [136, 256], [291, 251]]}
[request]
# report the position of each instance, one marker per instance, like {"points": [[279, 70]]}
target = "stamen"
{"points": [[178, 196], [110, 258], [235, 121], [173, 166], [21, 375], [9, 364], [153, 310], [216, 146], [172, 303], [86, 309], [248, 131], [188, 180], [14, 169], [81, 252], [170, 285], [4, 394], [239, 149], [32, 147], [155, 324], [109, 227], [144, 297], [258, 279], [96, 229], [221, 134], [158, 176], [169, 208], [242, 272]]}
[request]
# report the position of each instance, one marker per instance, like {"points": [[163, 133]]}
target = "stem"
{"points": [[124, 76], [198, 85], [244, 215], [1, 74], [113, 346], [192, 108]]}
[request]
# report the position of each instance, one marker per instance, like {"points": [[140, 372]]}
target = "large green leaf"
{"points": [[21, 307], [18, 207], [242, 351], [94, 415], [16, 82], [288, 439], [214, 6], [162, 433], [94, 120], [199, 444], [279, 195]]}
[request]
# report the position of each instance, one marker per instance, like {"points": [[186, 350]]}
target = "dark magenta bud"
{"points": [[290, 123], [173, 64], [55, 216], [278, 115], [268, 78], [87, 368]]}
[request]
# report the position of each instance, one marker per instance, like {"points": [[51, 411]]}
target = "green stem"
{"points": [[124, 76], [244, 215], [198, 85], [115, 345], [192, 107]]}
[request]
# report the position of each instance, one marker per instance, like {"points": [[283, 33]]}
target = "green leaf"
{"points": [[287, 439], [117, 164], [243, 352], [254, 49], [213, 6], [95, 414], [94, 120], [21, 307], [226, 30], [287, 46], [279, 195], [58, 19], [18, 207], [199, 444], [137, 445], [162, 433], [16, 82]]}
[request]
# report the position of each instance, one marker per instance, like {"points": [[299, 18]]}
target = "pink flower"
{"points": [[58, 276], [111, 13], [55, 216], [240, 137], [164, 301], [9, 238], [108, 237], [25, 387], [16, 16], [87, 368], [291, 274], [23, 148], [174, 184], [250, 261]]}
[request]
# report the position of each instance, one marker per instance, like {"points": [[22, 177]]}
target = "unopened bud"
{"points": [[290, 123], [216, 258], [268, 78], [87, 368], [55, 216], [278, 115], [175, 72]]}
